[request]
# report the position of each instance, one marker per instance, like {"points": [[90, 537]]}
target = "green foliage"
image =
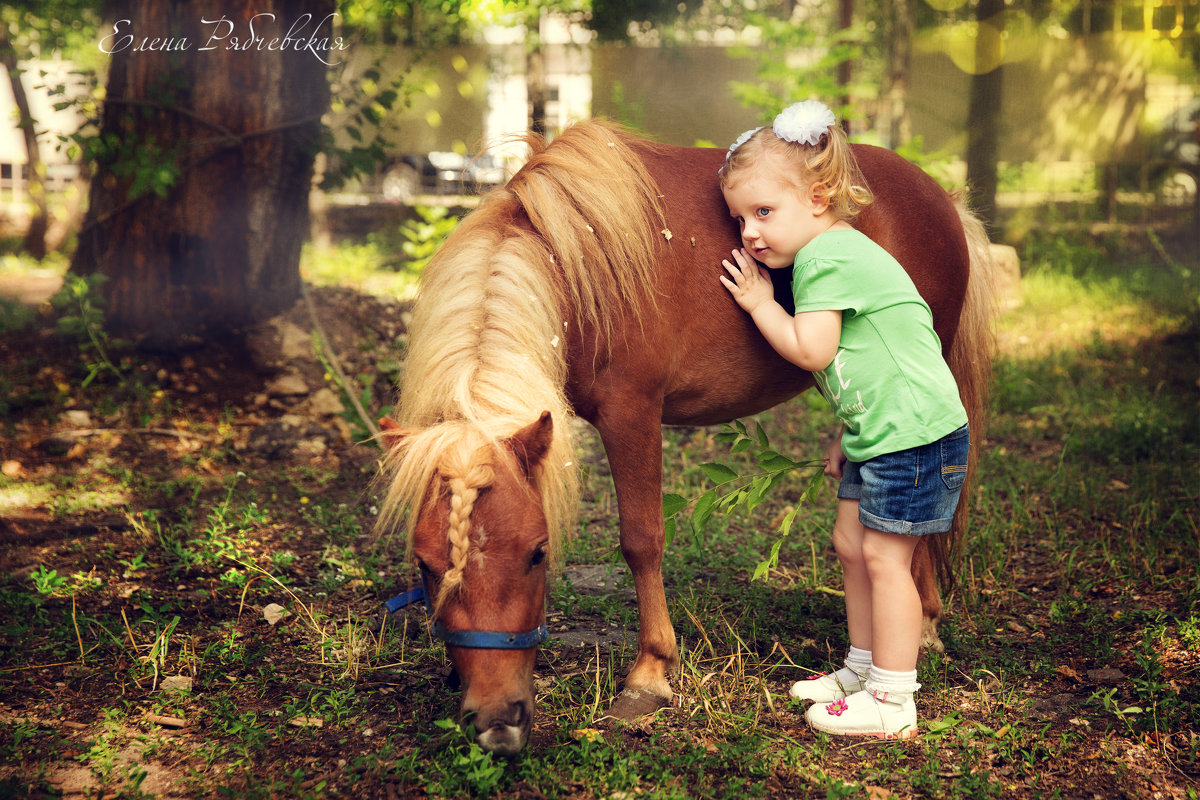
{"points": [[424, 236], [470, 769], [13, 317], [83, 321], [48, 581], [780, 82], [360, 105], [733, 491]]}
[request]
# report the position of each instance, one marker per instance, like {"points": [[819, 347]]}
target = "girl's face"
{"points": [[776, 219]]}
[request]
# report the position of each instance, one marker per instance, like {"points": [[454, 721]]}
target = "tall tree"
{"points": [[900, 20], [984, 108], [204, 162]]}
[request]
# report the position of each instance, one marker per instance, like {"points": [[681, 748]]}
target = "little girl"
{"points": [[867, 336]]}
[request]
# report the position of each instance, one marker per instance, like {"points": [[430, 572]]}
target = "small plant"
{"points": [[477, 769], [83, 321], [424, 236], [733, 490], [47, 581]]}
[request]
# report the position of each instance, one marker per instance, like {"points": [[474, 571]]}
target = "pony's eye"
{"points": [[538, 557]]}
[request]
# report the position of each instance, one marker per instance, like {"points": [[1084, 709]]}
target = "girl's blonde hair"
{"points": [[829, 164]]}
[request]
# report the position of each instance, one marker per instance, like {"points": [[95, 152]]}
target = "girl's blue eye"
{"points": [[762, 212]]}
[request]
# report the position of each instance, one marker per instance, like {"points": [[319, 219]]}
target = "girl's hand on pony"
{"points": [[751, 284]]}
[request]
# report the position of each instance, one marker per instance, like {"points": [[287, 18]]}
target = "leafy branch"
{"points": [[733, 490]]}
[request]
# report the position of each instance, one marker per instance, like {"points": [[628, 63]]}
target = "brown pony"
{"points": [[589, 286]]}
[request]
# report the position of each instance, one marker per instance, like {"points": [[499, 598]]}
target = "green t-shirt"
{"points": [[888, 382]]}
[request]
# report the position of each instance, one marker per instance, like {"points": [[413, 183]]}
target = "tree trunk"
{"points": [[896, 122], [35, 236], [984, 114], [535, 78], [199, 204], [845, 68]]}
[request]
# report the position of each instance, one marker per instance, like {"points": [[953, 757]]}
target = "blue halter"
{"points": [[483, 640]]}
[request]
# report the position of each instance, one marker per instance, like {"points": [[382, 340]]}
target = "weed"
{"points": [[83, 321], [424, 235], [469, 768], [734, 491]]}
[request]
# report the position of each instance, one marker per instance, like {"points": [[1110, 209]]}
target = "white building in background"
{"points": [[47, 84], [568, 78]]}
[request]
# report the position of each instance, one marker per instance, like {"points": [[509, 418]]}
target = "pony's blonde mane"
{"points": [[571, 240]]}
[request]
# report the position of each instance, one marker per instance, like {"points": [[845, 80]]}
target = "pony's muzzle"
{"points": [[502, 729]]}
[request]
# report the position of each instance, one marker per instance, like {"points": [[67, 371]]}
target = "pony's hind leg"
{"points": [[633, 443], [925, 577]]}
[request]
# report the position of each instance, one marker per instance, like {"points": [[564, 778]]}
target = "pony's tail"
{"points": [[594, 204], [970, 360]]}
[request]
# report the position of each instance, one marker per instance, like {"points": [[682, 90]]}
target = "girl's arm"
{"points": [[809, 339]]}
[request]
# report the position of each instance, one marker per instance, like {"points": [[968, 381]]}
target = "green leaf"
{"points": [[785, 526], [673, 504], [703, 510], [668, 531], [763, 441], [772, 461], [718, 473]]}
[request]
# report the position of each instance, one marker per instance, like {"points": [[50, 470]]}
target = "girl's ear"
{"points": [[818, 197]]}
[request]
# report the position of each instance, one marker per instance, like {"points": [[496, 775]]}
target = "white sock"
{"points": [[885, 681], [859, 661]]}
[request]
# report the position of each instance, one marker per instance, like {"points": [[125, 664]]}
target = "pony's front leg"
{"points": [[633, 443]]}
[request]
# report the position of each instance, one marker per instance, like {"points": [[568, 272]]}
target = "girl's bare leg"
{"points": [[895, 603], [848, 535]]}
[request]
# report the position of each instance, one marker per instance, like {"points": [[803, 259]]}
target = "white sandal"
{"points": [[825, 687], [882, 715]]}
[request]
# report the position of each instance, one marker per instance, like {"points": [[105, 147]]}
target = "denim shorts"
{"points": [[912, 491]]}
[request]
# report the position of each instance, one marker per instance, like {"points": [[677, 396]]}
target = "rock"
{"points": [[287, 385], [77, 418], [324, 403], [1106, 676], [290, 437], [277, 343]]}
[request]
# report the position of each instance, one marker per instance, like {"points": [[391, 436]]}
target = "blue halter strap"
{"points": [[483, 640]]}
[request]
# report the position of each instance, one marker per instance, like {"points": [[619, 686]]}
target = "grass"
{"points": [[1073, 637]]}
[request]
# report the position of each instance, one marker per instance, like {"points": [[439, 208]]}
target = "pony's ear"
{"points": [[531, 443], [390, 432]]}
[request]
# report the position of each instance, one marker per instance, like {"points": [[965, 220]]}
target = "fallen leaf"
{"points": [[274, 612], [586, 734], [306, 722], [179, 683], [1068, 672], [879, 793]]}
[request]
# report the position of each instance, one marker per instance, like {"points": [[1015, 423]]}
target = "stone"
{"points": [[324, 403], [287, 385]]}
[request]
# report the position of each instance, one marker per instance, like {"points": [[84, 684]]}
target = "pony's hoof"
{"points": [[632, 704], [929, 636]]}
